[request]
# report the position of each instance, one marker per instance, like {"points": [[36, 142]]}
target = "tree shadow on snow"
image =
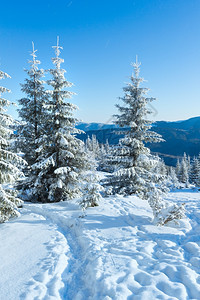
{"points": [[107, 222]]}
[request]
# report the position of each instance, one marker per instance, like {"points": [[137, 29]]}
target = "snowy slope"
{"points": [[54, 251]]}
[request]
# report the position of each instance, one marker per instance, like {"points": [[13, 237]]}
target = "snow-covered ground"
{"points": [[55, 251]]}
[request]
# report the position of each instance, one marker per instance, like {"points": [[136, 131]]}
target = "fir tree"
{"points": [[32, 110], [91, 191], [135, 172], [178, 169], [184, 170], [174, 183], [91, 188], [189, 165], [107, 146], [131, 156], [161, 167], [195, 171], [61, 159], [93, 145], [102, 158], [9, 162], [88, 144]]}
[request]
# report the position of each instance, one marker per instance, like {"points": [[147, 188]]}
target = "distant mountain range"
{"points": [[181, 136]]}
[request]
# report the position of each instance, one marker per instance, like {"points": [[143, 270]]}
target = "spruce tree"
{"points": [[135, 173], [161, 167], [195, 171], [61, 159], [184, 170], [102, 158], [9, 162], [91, 191], [178, 170], [174, 183], [92, 145], [32, 111], [107, 146], [90, 187], [131, 155]]}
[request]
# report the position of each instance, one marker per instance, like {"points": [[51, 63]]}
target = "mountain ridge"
{"points": [[193, 122], [180, 136]]}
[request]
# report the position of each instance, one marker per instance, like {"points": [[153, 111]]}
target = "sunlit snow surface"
{"points": [[54, 251]]}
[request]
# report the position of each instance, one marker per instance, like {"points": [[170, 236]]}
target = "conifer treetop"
{"points": [[57, 60], [58, 82], [136, 65], [134, 113], [34, 62]]}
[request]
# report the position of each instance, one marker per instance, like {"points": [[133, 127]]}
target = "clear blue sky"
{"points": [[100, 39]]}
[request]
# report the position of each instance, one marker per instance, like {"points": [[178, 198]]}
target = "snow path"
{"points": [[112, 252], [67, 216], [32, 257]]}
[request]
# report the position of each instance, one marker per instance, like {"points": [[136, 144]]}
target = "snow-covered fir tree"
{"points": [[88, 144], [161, 167], [195, 171], [104, 158], [178, 169], [184, 170], [32, 111], [98, 151], [173, 181], [61, 156], [9, 162], [189, 164], [135, 173], [107, 146], [184, 177], [91, 188], [92, 145]]}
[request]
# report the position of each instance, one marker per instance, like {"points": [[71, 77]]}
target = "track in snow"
{"points": [[113, 252]]}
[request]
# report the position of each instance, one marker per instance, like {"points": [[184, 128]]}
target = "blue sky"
{"points": [[100, 40]]}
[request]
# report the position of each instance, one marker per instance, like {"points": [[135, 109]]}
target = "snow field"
{"points": [[108, 252], [130, 256], [31, 248]]}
